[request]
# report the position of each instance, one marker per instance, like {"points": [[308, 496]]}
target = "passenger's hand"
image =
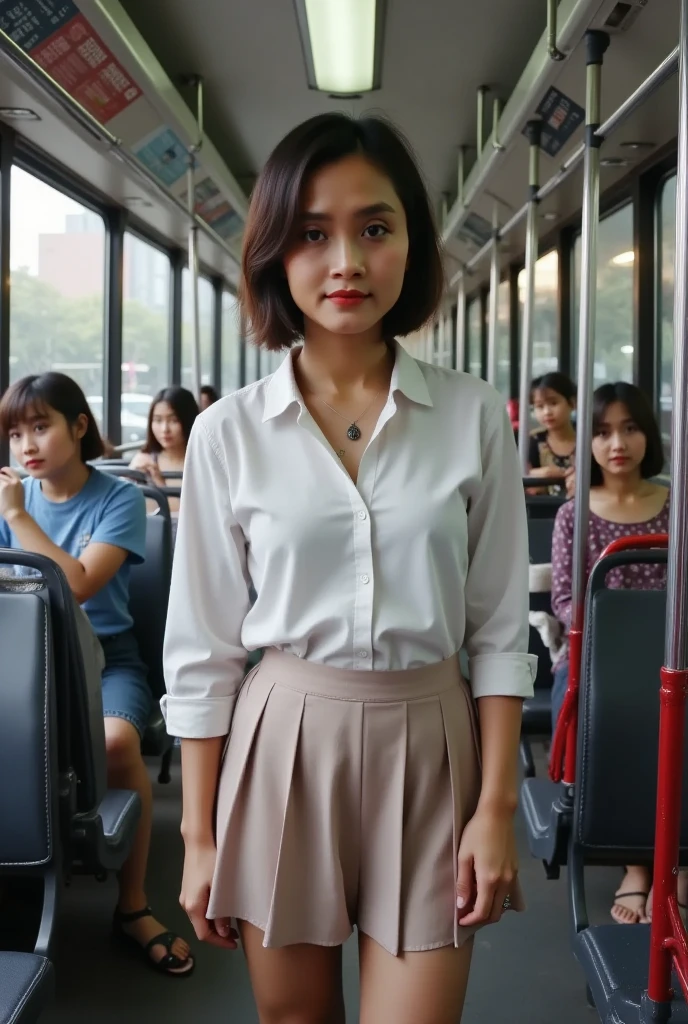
{"points": [[488, 867], [570, 479], [146, 464], [11, 494], [199, 866], [553, 472]]}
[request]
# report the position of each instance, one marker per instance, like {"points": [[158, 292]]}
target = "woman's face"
{"points": [[167, 430], [44, 443], [551, 410], [346, 267], [618, 444]]}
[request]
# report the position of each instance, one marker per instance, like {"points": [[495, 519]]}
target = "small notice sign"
{"points": [[561, 117]]}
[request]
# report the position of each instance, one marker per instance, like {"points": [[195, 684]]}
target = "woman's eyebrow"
{"points": [[365, 211]]}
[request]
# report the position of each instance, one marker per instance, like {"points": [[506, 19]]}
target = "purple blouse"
{"points": [[601, 532]]}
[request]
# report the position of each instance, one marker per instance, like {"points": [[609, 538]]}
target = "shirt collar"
{"points": [[407, 377]]}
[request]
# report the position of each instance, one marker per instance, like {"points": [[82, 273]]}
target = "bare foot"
{"points": [[630, 900]]}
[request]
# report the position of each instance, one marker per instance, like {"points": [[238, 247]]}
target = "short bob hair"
{"points": [[33, 396], [209, 391], [183, 405], [274, 319], [555, 381], [640, 411]]}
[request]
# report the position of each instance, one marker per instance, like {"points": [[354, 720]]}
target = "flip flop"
{"points": [[618, 896]]}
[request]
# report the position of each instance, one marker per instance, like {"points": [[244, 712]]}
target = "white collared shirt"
{"points": [[426, 553]]}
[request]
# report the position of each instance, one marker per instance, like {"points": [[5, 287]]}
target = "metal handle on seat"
{"points": [[645, 549]]}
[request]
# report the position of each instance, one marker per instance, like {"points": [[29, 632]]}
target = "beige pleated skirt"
{"points": [[342, 798]]}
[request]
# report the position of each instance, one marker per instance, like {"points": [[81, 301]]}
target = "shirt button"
{"points": [[363, 654], [362, 514], [365, 578]]}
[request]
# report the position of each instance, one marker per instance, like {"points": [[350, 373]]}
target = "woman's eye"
{"points": [[313, 235], [376, 231]]}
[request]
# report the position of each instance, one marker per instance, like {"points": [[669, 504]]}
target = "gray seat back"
{"points": [[81, 741], [149, 590], [28, 748], [618, 723]]}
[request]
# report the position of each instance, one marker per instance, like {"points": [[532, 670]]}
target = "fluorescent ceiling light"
{"points": [[342, 44], [627, 350], [623, 259]]}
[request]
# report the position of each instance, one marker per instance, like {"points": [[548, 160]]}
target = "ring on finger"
{"points": [[507, 905]]}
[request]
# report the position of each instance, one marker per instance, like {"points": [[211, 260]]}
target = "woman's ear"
{"points": [[81, 426]]}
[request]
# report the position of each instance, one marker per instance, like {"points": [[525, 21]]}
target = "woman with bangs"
{"points": [[170, 419], [375, 504], [624, 501], [93, 526]]}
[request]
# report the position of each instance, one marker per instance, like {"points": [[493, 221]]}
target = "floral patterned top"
{"points": [[601, 532]]}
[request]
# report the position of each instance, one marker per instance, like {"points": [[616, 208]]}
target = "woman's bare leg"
{"points": [[429, 986], [294, 984]]}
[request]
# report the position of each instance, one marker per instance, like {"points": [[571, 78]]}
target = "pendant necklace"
{"points": [[353, 432]]}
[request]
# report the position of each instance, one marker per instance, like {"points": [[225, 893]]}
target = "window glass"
{"points": [[667, 253], [502, 374], [614, 316], [545, 331], [57, 273], [231, 338], [206, 301], [474, 338], [145, 332]]}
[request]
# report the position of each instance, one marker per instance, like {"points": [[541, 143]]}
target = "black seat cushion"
{"points": [[615, 960], [26, 984], [537, 713]]}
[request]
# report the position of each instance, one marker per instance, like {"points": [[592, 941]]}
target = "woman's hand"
{"points": [[146, 464], [11, 494], [488, 866], [199, 866]]}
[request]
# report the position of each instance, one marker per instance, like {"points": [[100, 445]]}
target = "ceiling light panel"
{"points": [[342, 43]]}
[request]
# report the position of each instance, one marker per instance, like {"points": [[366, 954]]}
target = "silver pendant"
{"points": [[353, 433]]}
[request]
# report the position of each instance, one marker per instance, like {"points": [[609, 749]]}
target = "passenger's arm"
{"points": [[502, 672], [87, 574], [496, 592], [147, 464], [204, 660], [209, 599], [562, 564]]}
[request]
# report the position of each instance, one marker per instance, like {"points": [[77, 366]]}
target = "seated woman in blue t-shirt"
{"points": [[94, 526]]}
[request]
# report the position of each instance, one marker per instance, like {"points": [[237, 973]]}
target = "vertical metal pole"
{"points": [[461, 175], [480, 128], [114, 296], [667, 930], [6, 158], [193, 283], [596, 45], [461, 325], [534, 130], [193, 246], [494, 302]]}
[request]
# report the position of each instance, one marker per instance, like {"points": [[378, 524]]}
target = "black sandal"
{"points": [[168, 964]]}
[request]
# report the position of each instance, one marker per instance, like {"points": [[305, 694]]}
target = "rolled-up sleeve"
{"points": [[496, 638], [209, 598]]}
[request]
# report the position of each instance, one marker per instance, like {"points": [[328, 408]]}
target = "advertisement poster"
{"points": [[214, 209], [164, 155], [60, 39]]}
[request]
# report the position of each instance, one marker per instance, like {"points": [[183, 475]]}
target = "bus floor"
{"points": [[538, 980]]}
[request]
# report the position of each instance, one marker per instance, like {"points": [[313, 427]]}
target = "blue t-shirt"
{"points": [[107, 510]]}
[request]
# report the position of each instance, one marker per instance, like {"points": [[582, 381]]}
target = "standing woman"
{"points": [[375, 503]]}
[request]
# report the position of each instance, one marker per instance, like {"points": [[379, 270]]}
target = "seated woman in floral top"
{"points": [[627, 451]]}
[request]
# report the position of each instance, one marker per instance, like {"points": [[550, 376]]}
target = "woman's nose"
{"points": [[348, 260]]}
